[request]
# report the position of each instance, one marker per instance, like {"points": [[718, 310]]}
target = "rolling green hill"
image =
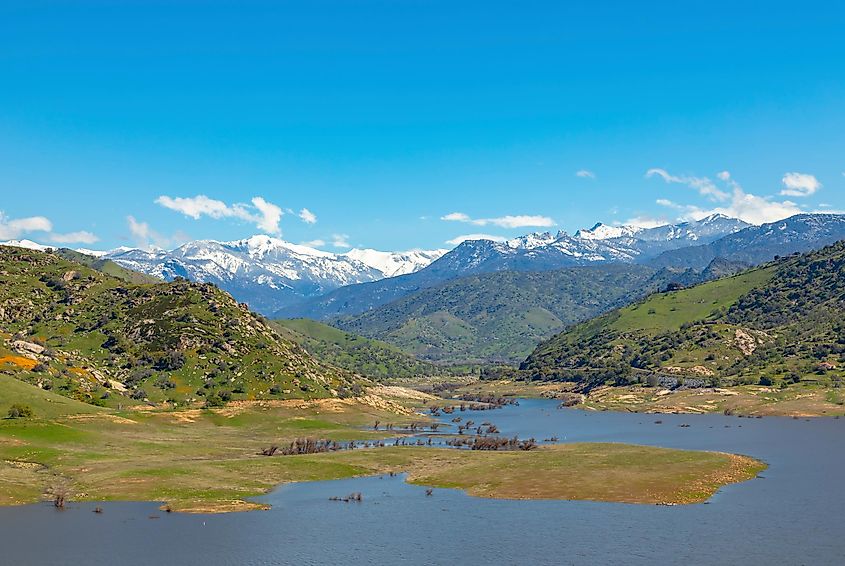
{"points": [[501, 316], [365, 356], [106, 266], [81, 333], [781, 323], [45, 404]]}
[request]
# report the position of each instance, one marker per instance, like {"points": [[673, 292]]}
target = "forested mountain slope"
{"points": [[782, 322], [501, 316], [370, 358]]}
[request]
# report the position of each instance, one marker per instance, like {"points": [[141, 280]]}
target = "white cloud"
{"points": [[745, 206], [140, 231], [340, 241], [197, 206], [456, 217], [468, 237], [799, 184], [756, 209], [16, 228], [145, 237], [703, 185], [585, 174], [314, 243], [521, 221], [307, 216], [265, 215], [269, 216], [509, 221], [668, 203], [11, 229], [80, 237]]}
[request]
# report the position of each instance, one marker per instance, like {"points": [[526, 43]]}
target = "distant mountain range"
{"points": [[535, 252], [488, 301], [266, 273], [758, 244], [285, 280]]}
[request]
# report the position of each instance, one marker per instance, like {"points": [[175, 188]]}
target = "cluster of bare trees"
{"points": [[474, 403], [313, 446], [319, 445], [356, 497], [412, 442], [489, 399], [493, 443], [412, 428]]}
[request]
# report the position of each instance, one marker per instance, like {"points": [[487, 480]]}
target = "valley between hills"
{"points": [[120, 386]]}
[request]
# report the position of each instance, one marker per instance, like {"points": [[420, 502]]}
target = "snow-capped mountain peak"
{"points": [[28, 244], [604, 232], [268, 272], [259, 246], [392, 264], [531, 241]]}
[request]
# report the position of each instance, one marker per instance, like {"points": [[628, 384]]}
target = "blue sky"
{"points": [[149, 123]]}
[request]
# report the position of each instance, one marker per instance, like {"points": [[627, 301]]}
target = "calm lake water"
{"points": [[795, 514]]}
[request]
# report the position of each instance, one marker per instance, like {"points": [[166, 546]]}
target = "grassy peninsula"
{"points": [[208, 460]]}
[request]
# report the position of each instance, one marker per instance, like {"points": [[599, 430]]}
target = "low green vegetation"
{"points": [[211, 460], [44, 404], [77, 332], [20, 411], [365, 356], [500, 317], [775, 326], [106, 266], [589, 471]]}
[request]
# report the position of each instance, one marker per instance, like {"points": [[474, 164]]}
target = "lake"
{"points": [[791, 515]]}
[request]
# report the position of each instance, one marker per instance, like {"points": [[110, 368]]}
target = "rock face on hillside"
{"points": [[177, 340]]}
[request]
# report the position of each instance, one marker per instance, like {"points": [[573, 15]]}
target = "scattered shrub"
{"points": [[20, 411]]}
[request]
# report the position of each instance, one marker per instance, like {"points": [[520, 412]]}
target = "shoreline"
{"points": [[796, 401], [738, 469]]}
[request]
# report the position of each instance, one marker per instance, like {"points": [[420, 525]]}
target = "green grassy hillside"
{"points": [[498, 316], [778, 324], [83, 334], [106, 266], [44, 404], [370, 358]]}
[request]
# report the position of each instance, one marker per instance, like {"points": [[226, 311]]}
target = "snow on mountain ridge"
{"points": [[269, 273], [27, 244], [604, 232], [531, 241], [392, 264]]}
